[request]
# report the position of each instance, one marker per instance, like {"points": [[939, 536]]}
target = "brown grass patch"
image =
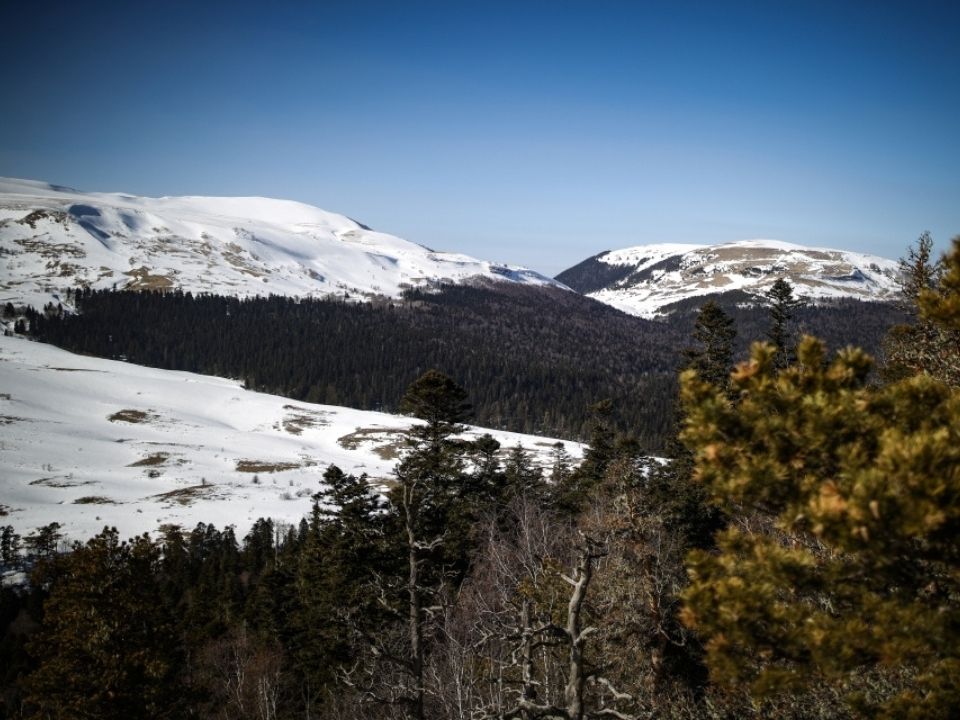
{"points": [[37, 215], [388, 445], [235, 255], [59, 481], [185, 496], [141, 279], [151, 460], [50, 250], [300, 419], [131, 416], [263, 466], [94, 500]]}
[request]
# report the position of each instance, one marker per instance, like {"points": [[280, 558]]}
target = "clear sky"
{"points": [[537, 133]]}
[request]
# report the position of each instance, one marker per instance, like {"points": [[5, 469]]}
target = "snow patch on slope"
{"points": [[88, 442]]}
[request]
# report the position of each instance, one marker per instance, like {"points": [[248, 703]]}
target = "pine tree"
{"points": [[485, 484], [843, 567], [919, 272], [782, 306], [437, 400], [929, 342], [44, 542], [940, 305]]}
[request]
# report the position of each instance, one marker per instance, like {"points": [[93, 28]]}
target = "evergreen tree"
{"points": [[44, 542], [941, 305], [340, 553], [486, 483], [9, 546], [432, 514], [782, 306], [522, 477], [442, 404], [107, 647], [930, 341], [919, 272], [844, 566], [561, 464], [571, 496], [714, 332]]}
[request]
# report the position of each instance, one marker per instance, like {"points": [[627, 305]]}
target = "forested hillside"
{"points": [[534, 359], [797, 558]]}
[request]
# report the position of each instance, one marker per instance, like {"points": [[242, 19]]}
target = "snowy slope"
{"points": [[645, 279], [87, 442], [52, 238]]}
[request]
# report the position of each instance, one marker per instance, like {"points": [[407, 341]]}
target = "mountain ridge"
{"points": [[54, 237], [645, 280]]}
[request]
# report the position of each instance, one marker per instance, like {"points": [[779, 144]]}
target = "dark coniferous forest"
{"points": [[534, 360]]}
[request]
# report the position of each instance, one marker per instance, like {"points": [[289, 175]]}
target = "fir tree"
{"points": [[782, 306], [485, 484], [9, 546], [714, 332], [919, 272], [431, 514], [522, 477], [571, 496], [561, 464], [341, 550]]}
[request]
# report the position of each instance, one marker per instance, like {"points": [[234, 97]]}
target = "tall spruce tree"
{"points": [[782, 306], [9, 546], [432, 516], [714, 331], [340, 551], [521, 475], [571, 495], [919, 272]]}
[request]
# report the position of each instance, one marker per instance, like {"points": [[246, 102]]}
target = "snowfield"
{"points": [[668, 273], [52, 238], [88, 442]]}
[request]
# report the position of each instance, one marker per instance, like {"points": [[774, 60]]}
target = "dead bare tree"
{"points": [[518, 641], [244, 676]]}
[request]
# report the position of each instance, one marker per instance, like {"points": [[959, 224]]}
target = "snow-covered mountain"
{"points": [[53, 237], [88, 442], [644, 280]]}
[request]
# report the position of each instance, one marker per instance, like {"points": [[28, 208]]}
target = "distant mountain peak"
{"points": [[55, 237], [645, 280]]}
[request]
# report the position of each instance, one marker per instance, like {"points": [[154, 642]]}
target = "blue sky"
{"points": [[537, 133]]}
